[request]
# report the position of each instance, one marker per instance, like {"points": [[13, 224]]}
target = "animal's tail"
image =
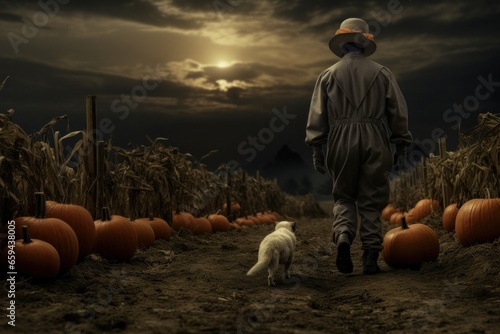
{"points": [[259, 266], [262, 263]]}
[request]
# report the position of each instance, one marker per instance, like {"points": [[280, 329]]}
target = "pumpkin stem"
{"points": [[404, 225], [105, 214], [40, 205], [151, 216], [488, 194], [26, 235]]}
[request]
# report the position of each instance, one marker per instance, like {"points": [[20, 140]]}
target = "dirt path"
{"points": [[198, 285]]}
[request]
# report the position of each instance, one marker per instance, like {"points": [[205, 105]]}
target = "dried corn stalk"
{"points": [[466, 173], [137, 181]]}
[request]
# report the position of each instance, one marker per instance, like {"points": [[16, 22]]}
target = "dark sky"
{"points": [[210, 74]]}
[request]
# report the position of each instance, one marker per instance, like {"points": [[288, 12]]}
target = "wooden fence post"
{"points": [[100, 195], [445, 191], [244, 209], [91, 154], [228, 194], [424, 169]]}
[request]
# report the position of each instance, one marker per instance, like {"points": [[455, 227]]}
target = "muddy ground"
{"points": [[197, 284]]}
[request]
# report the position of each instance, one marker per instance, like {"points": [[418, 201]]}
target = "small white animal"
{"points": [[275, 249]]}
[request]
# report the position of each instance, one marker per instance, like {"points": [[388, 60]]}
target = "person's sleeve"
{"points": [[317, 123], [396, 112]]}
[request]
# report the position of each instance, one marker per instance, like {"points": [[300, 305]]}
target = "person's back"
{"points": [[354, 87], [357, 110]]}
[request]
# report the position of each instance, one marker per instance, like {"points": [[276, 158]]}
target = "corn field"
{"points": [[473, 171], [136, 182]]}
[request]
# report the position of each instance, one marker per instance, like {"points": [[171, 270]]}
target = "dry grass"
{"points": [[473, 171]]}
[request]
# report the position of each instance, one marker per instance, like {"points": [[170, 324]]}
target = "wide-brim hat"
{"points": [[353, 30]]}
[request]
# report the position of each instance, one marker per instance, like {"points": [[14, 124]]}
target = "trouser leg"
{"points": [[344, 219], [373, 194]]}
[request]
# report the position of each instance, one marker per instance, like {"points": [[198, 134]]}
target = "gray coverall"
{"points": [[358, 110]]}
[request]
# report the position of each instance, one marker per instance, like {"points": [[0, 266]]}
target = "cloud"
{"points": [[221, 8], [240, 83], [138, 11], [302, 11], [274, 51]]}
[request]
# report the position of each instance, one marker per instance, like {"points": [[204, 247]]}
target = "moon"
{"points": [[222, 64]]}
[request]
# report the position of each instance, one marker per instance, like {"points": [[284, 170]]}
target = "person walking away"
{"points": [[357, 111]]}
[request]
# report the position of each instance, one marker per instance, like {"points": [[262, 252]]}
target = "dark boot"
{"points": [[370, 265], [344, 262]]}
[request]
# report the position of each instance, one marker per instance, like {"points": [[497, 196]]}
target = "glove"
{"points": [[399, 157], [319, 160]]}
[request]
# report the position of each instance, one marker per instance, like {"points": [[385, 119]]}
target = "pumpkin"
{"points": [[160, 227], [254, 218], [234, 226], [396, 218], [34, 257], [79, 219], [201, 225], [449, 216], [409, 246], [410, 216], [266, 218], [219, 223], [144, 232], [425, 207], [116, 238], [182, 220], [52, 230], [388, 211], [477, 221], [244, 222], [274, 216], [235, 208]]}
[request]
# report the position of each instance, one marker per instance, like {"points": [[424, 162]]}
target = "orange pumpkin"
{"points": [[234, 226], [396, 218], [254, 218], [79, 219], [477, 221], [201, 225], [52, 230], [116, 238], [274, 216], [264, 219], [145, 234], [235, 208], [188, 221], [159, 226], [388, 211], [34, 257], [410, 216], [245, 222], [409, 246], [219, 223], [449, 217], [425, 207], [182, 220]]}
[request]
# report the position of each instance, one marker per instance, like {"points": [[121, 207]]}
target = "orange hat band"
{"points": [[346, 31]]}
